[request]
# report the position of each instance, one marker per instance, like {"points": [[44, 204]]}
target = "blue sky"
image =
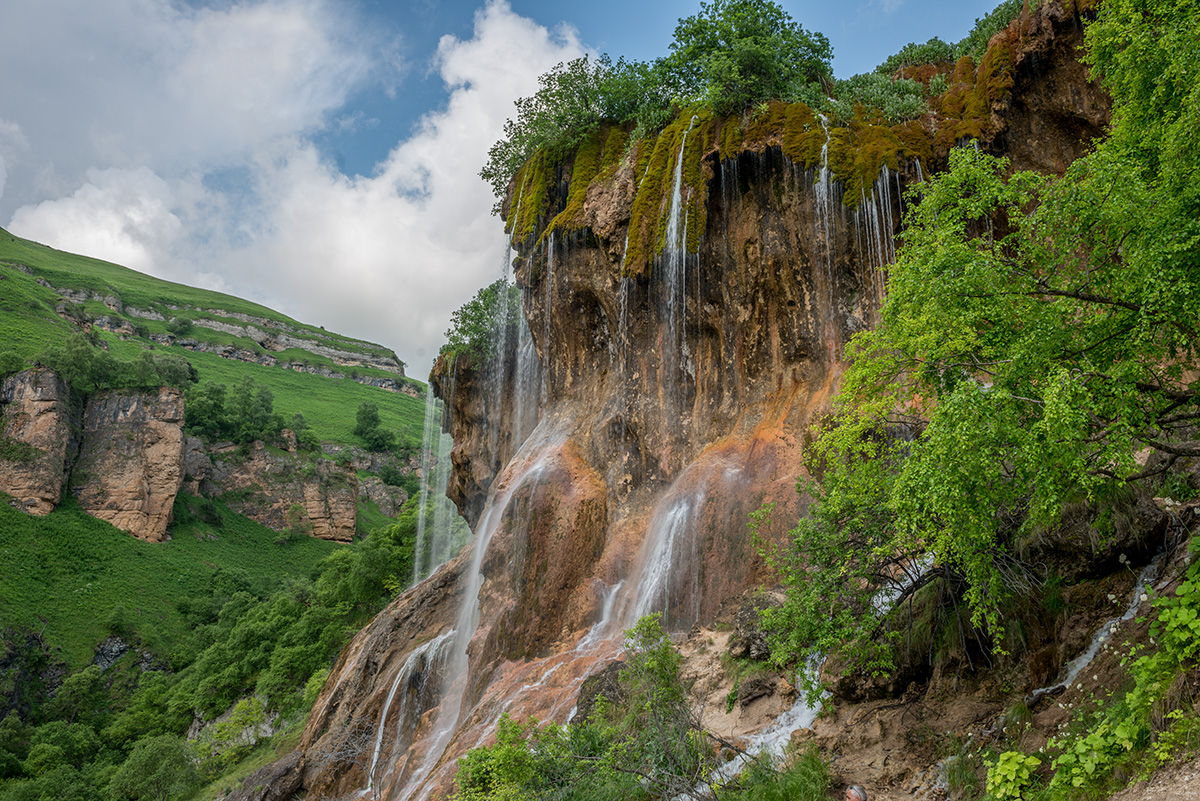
{"points": [[319, 156]]}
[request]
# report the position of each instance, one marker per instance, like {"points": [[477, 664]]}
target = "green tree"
{"points": [[158, 769], [205, 412], [735, 53], [1037, 335], [367, 426], [475, 326]]}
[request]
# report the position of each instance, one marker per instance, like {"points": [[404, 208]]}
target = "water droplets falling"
{"points": [[440, 531]]}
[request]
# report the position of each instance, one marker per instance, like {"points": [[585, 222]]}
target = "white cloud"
{"points": [[391, 256], [119, 215], [179, 143]]}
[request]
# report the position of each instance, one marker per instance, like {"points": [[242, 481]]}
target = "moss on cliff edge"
{"points": [[855, 150]]}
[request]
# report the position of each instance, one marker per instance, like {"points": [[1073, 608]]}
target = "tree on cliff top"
{"points": [[1039, 339], [731, 55], [736, 53]]}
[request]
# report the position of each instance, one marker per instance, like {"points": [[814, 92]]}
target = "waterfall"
{"points": [[530, 386], [525, 470], [439, 530], [420, 546], [823, 195], [413, 675], [449, 531], [675, 258], [668, 578]]}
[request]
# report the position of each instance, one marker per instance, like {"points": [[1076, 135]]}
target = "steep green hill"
{"points": [[45, 294]]}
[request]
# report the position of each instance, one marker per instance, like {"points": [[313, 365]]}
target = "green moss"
{"points": [[583, 170], [803, 136], [615, 147], [766, 123], [731, 138], [527, 204]]}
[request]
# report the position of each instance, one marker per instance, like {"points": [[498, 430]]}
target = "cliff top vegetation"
{"points": [[103, 325], [730, 57]]}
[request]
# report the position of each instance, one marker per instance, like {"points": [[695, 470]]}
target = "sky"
{"points": [[320, 157]]}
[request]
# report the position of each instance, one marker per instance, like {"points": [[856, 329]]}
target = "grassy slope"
{"points": [[136, 289], [29, 325], [66, 572]]}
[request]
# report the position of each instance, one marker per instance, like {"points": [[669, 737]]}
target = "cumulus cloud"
{"points": [[392, 255], [121, 215], [190, 155]]}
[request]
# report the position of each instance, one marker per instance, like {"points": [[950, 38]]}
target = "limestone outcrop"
{"points": [[130, 464], [265, 485], [125, 458], [38, 438]]}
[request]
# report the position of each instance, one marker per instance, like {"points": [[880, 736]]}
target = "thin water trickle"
{"points": [[1103, 634]]}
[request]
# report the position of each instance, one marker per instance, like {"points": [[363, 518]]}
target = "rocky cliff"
{"points": [[686, 308], [40, 436], [130, 464], [125, 457], [265, 485]]}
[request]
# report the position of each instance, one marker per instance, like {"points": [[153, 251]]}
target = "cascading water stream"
{"points": [[674, 262], [525, 468], [421, 544], [1072, 669], [436, 540], [824, 199], [422, 662]]}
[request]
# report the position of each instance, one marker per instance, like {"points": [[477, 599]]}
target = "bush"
{"points": [[475, 326], [180, 326], [935, 51]]}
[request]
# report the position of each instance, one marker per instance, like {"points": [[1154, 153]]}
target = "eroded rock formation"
{"points": [[130, 464], [265, 485], [38, 438]]}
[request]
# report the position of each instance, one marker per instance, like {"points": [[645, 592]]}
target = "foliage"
{"points": [[897, 100], [806, 778], [88, 369], [1010, 774], [180, 326], [934, 51], [735, 53], [573, 98], [729, 56], [476, 326], [224, 743], [650, 746], [158, 769], [1036, 335], [975, 43], [367, 428], [245, 415]]}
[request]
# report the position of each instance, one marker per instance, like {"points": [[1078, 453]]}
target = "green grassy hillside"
{"points": [[35, 317], [67, 573]]}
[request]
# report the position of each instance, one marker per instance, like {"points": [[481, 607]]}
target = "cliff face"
{"points": [[265, 485], [130, 464], [672, 398], [40, 435], [125, 458]]}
